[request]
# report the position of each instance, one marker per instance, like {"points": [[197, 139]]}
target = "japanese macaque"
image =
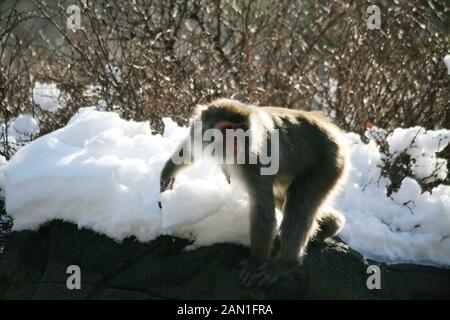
{"points": [[310, 165]]}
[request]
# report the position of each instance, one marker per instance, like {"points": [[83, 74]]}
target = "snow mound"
{"points": [[102, 173], [411, 225]]}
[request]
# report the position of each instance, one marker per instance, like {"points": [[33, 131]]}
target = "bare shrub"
{"points": [[147, 60]]}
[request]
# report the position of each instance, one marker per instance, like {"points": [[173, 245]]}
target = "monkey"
{"points": [[312, 163]]}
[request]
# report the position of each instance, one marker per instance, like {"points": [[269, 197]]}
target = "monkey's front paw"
{"points": [[249, 269], [274, 271], [166, 184]]}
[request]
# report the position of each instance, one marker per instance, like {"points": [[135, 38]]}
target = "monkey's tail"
{"points": [[330, 223]]}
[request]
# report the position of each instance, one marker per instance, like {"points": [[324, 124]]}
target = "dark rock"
{"points": [[34, 265]]}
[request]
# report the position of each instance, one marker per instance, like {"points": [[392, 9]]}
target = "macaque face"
{"points": [[232, 137], [232, 129]]}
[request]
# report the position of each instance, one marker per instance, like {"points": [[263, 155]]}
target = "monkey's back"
{"points": [[311, 140]]}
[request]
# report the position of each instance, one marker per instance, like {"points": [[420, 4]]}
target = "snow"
{"points": [[409, 226], [47, 96], [447, 62], [421, 146], [102, 172], [409, 190], [23, 126], [20, 130]]}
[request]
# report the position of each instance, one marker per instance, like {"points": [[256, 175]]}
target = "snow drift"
{"points": [[102, 173]]}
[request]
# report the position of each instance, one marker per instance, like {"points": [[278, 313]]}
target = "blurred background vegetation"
{"points": [[148, 59]]}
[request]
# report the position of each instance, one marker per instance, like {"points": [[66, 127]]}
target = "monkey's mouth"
{"points": [[236, 144], [234, 148]]}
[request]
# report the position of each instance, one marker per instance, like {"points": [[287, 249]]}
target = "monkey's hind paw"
{"points": [[274, 271], [249, 269]]}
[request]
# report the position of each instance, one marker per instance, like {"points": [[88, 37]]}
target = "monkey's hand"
{"points": [[273, 271], [166, 183], [249, 269]]}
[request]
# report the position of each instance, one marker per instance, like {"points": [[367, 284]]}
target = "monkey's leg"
{"points": [[304, 196], [330, 223], [262, 230]]}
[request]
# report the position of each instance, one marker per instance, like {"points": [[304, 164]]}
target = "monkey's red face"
{"points": [[228, 129], [232, 126]]}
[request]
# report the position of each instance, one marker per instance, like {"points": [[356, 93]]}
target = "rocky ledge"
{"points": [[34, 265]]}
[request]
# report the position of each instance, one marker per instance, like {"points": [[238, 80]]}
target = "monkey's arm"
{"points": [[168, 174], [262, 226], [170, 170], [181, 158]]}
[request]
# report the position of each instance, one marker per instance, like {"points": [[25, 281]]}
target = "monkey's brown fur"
{"points": [[312, 164]]}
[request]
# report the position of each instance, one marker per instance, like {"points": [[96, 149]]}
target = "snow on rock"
{"points": [[409, 226], [102, 173]]}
